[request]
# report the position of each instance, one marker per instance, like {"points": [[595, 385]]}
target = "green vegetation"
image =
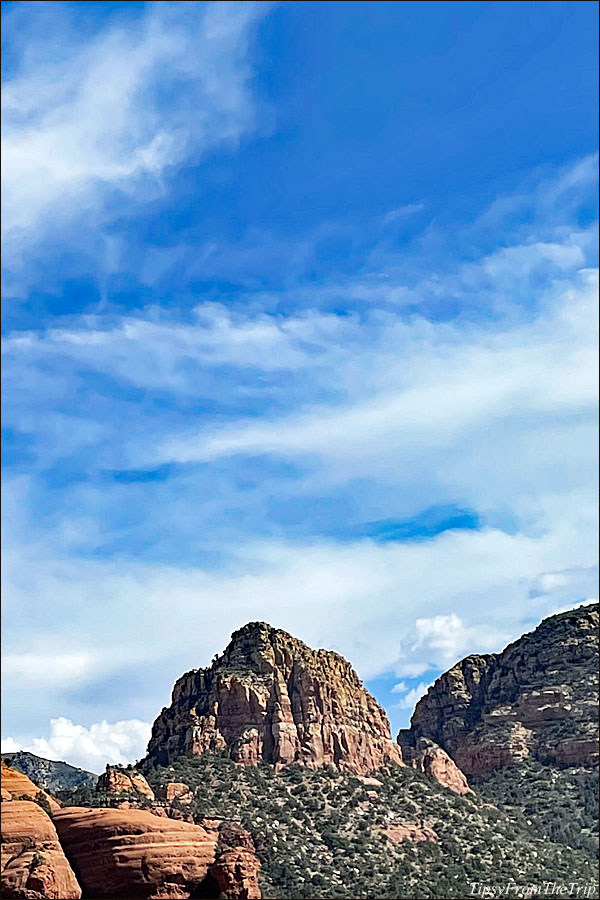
{"points": [[561, 804], [318, 832]]}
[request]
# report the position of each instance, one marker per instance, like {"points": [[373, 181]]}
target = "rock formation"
{"points": [[538, 698], [18, 785], [430, 759], [33, 863], [400, 832], [270, 698], [135, 854], [123, 781], [175, 790]]}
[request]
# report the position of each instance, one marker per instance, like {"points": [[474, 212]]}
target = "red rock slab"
{"points": [[140, 856], [18, 785], [409, 831], [33, 863]]}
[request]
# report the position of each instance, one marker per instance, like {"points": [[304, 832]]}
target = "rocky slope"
{"points": [[20, 787], [34, 865], [325, 833], [538, 699], [271, 699], [52, 776]]}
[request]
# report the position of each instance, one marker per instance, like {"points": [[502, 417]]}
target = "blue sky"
{"points": [[299, 325]]}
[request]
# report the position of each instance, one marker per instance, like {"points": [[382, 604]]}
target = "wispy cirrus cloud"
{"points": [[261, 434], [92, 121]]}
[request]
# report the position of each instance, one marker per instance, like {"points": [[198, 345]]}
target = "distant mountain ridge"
{"points": [[49, 774]]}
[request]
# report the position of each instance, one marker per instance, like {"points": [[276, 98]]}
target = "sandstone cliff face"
{"points": [[430, 759], [33, 863], [135, 854], [538, 698], [270, 698], [19, 785], [122, 781]]}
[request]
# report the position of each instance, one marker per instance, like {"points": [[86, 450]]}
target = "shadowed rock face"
{"points": [[33, 863], [270, 698], [538, 698], [135, 854]]}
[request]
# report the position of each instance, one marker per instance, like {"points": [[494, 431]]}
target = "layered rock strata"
{"points": [[538, 699], [135, 854], [19, 786], [34, 865], [270, 698]]}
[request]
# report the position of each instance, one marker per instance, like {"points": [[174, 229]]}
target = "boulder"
{"points": [[430, 759], [124, 781]]}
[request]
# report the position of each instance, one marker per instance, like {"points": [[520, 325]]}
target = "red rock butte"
{"points": [[270, 698]]}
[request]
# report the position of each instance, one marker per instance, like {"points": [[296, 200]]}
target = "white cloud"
{"points": [[447, 383], [90, 748], [32, 668], [401, 212], [399, 412], [411, 669], [413, 695], [550, 580], [116, 110], [447, 637]]}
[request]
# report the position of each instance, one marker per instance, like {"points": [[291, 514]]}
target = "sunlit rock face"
{"points": [[430, 759], [135, 854], [270, 698], [19, 786], [538, 699], [34, 865], [121, 781]]}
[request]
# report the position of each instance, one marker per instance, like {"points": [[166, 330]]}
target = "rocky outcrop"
{"points": [[538, 699], [430, 759], [400, 832], [19, 786], [135, 854], [33, 863], [175, 790], [270, 698], [236, 866], [124, 781]]}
